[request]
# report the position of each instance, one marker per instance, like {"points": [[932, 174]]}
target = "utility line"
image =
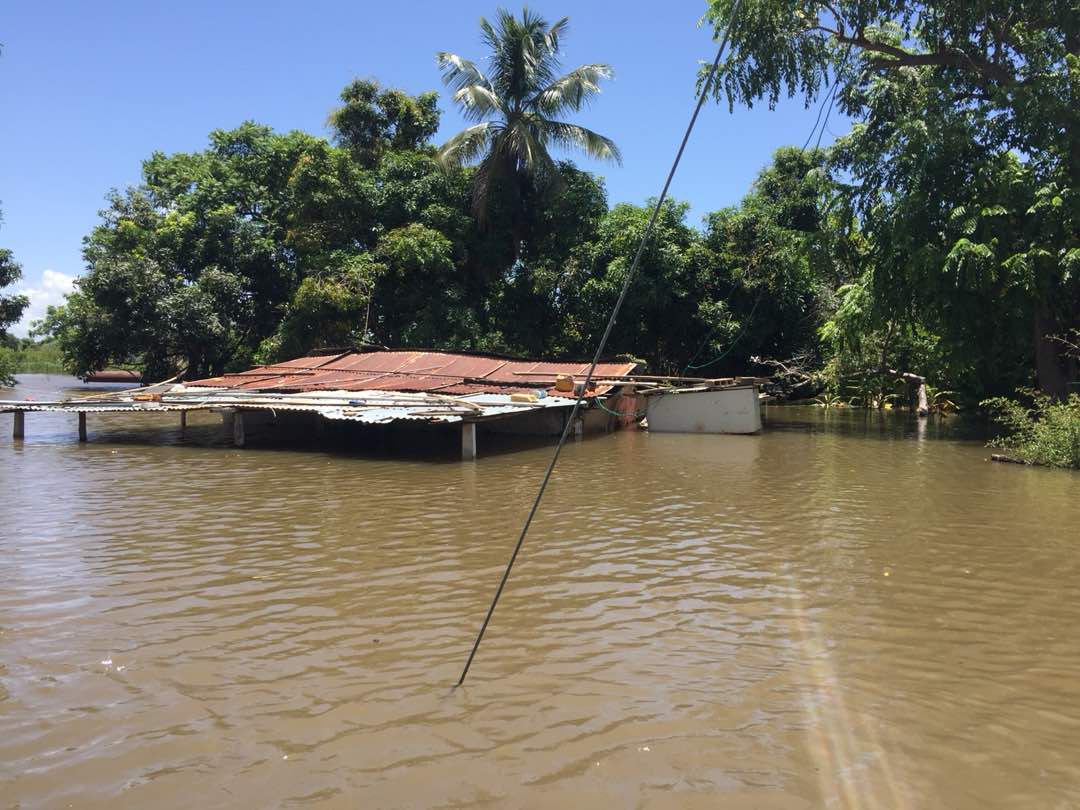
{"points": [[742, 331], [836, 85], [817, 121], [830, 98], [604, 339]]}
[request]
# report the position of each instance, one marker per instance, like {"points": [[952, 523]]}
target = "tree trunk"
{"points": [[1049, 368], [522, 215], [924, 406]]}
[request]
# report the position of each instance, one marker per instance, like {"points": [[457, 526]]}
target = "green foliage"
{"points": [[775, 260], [260, 241], [27, 356], [518, 109], [755, 282], [11, 306], [8, 366], [660, 318], [1047, 432], [11, 309], [40, 357], [420, 303], [938, 237], [941, 401], [373, 120], [864, 343], [193, 268], [266, 246], [964, 162], [331, 308]]}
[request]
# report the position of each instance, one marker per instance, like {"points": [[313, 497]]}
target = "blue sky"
{"points": [[88, 90]]}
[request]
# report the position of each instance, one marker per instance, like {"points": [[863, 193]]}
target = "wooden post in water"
{"points": [[183, 421], [82, 426], [238, 437], [227, 418], [468, 441], [19, 430]]}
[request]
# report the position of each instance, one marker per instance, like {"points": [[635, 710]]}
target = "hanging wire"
{"points": [[828, 99], [832, 98], [742, 331], [817, 121], [582, 391]]}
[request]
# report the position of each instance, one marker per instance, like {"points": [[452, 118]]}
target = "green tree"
{"points": [[330, 308], [11, 309], [192, 269], [12, 305], [265, 245], [517, 108], [964, 158], [663, 319], [757, 281], [373, 120], [776, 258]]}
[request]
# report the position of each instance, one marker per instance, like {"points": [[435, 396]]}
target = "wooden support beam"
{"points": [[19, 430], [468, 441], [546, 377], [183, 421], [82, 426], [227, 421], [238, 437]]}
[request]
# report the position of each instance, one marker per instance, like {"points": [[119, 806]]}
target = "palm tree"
{"points": [[517, 108]]}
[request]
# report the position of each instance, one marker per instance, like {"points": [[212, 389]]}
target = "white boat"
{"points": [[729, 409]]}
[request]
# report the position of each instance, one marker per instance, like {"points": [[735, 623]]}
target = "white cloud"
{"points": [[50, 292]]}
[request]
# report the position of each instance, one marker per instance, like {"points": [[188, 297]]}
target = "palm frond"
{"points": [[525, 143], [501, 66], [488, 35], [556, 31], [459, 73], [478, 102], [522, 56], [571, 91], [467, 145], [573, 136], [513, 102], [542, 49]]}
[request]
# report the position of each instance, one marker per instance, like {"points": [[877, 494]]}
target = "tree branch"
{"points": [[944, 58], [793, 369], [1071, 349]]}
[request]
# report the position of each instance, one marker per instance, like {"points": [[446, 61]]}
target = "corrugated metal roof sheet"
{"points": [[399, 370], [372, 387], [486, 406], [375, 406]]}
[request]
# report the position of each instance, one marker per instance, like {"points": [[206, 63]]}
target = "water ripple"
{"points": [[825, 615]]}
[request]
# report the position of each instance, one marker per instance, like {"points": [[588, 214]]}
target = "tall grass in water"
{"points": [[40, 358]]}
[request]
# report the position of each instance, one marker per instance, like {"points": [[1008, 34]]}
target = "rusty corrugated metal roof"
{"points": [[406, 370], [369, 406]]}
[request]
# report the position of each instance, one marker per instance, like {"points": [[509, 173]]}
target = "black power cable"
{"points": [[604, 339]]}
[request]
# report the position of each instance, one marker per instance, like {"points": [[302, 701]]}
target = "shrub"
{"points": [[8, 365], [1046, 433]]}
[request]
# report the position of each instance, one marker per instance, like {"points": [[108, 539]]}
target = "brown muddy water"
{"points": [[844, 612]]}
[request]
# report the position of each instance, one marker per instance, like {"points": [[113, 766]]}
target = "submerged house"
{"points": [[527, 397], [471, 393]]}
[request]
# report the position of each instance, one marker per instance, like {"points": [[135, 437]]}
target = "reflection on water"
{"points": [[842, 612]]}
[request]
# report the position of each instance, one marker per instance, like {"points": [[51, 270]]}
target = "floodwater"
{"points": [[843, 612]]}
